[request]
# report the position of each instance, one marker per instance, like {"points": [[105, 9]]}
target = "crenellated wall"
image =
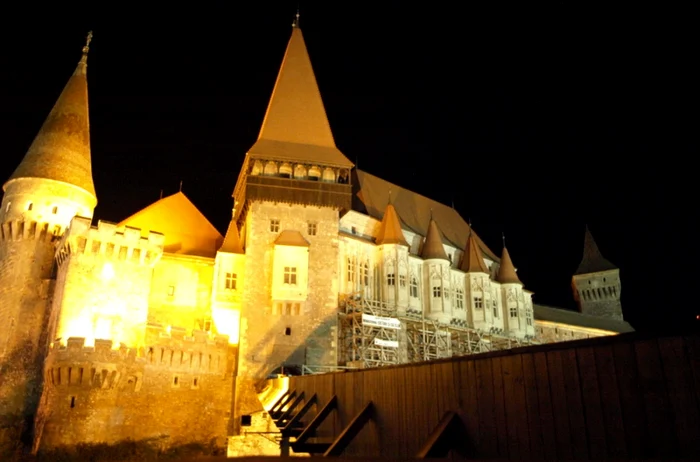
{"points": [[176, 389], [105, 275]]}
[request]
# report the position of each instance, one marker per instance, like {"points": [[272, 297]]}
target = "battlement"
{"points": [[110, 241], [18, 230]]}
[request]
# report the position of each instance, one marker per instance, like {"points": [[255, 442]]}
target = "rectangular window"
{"points": [[290, 275], [437, 291], [513, 311], [528, 318], [296, 309], [351, 269], [414, 288], [365, 274], [312, 228], [171, 291], [207, 325], [495, 308], [459, 296], [274, 226], [478, 303], [402, 280], [231, 279], [391, 279]]}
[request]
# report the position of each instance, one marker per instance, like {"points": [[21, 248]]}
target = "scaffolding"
{"points": [[373, 333]]}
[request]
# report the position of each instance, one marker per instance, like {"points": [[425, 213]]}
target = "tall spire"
{"points": [[433, 248], [390, 229], [506, 273], [61, 149], [473, 261], [295, 24], [592, 261], [296, 126]]}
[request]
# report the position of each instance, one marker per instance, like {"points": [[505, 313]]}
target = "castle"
{"points": [[159, 327]]}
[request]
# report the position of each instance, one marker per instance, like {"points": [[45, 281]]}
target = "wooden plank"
{"points": [[681, 393], [592, 407], [310, 429], [291, 427], [486, 428], [534, 426], [638, 443], [544, 404], [350, 432], [611, 406], [692, 346], [512, 408], [658, 409], [499, 408], [468, 401], [559, 405]]}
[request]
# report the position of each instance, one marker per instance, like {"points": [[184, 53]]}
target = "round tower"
{"points": [[51, 185]]}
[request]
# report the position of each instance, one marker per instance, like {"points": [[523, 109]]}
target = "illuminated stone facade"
{"points": [[160, 328]]}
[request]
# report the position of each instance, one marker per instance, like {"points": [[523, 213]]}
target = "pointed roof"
{"points": [[296, 127], [432, 247], [232, 240], [61, 149], [186, 229], [592, 261], [473, 261], [390, 231], [506, 273], [291, 238]]}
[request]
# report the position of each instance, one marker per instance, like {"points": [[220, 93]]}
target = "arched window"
{"points": [[286, 170], [300, 172], [314, 173], [271, 169], [329, 175], [257, 168]]}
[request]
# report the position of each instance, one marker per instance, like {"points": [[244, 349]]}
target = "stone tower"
{"points": [[51, 185], [287, 201], [596, 283]]}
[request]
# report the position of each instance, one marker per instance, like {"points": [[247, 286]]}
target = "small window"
{"points": [[7, 207], [437, 292], [414, 287], [402, 280], [274, 226], [72, 402], [290, 275], [195, 382], [513, 311], [287, 331], [312, 228], [354, 230], [176, 381], [495, 308], [478, 303], [231, 280], [391, 279], [246, 421], [171, 291], [30, 206], [207, 325], [54, 210]]}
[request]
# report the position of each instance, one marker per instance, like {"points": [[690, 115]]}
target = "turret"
{"points": [[596, 283], [227, 290], [517, 302], [51, 185], [436, 276], [479, 297], [393, 249]]}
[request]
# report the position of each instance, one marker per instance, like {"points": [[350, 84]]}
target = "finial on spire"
{"points": [[161, 193], [503, 236], [295, 24], [86, 48], [180, 185], [390, 195]]}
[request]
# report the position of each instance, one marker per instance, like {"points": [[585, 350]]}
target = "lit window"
{"points": [[290, 275], [171, 291], [274, 226], [351, 269], [402, 280], [459, 298], [437, 291], [312, 229], [513, 311], [495, 308], [231, 279], [414, 287], [391, 279], [478, 303]]}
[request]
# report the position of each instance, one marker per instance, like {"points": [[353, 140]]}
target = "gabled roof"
{"points": [[232, 240], [291, 238], [506, 273], [390, 229], [371, 195], [186, 230], [574, 318], [592, 261], [296, 127], [61, 149], [432, 247], [473, 261]]}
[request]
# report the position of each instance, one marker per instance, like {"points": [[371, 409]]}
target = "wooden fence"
{"points": [[627, 396]]}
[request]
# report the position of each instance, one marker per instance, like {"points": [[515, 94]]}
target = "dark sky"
{"points": [[532, 120]]}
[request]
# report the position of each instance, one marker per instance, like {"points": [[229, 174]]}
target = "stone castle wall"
{"points": [[176, 390], [271, 336]]}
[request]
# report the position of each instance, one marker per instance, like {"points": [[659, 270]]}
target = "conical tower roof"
{"points": [[61, 149], [390, 229], [506, 273], [433, 248], [296, 127], [592, 261], [232, 240], [473, 261]]}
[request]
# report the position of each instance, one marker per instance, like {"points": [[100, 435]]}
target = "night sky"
{"points": [[532, 121]]}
